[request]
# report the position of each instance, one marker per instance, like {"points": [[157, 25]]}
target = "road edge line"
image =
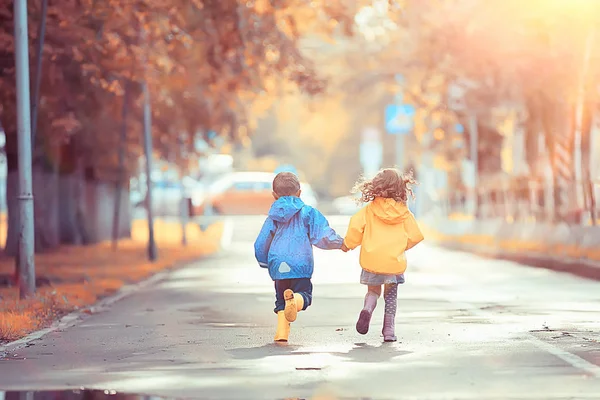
{"points": [[572, 359]]}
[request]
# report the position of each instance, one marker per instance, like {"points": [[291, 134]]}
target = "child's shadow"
{"points": [[273, 349], [361, 352], [366, 353]]}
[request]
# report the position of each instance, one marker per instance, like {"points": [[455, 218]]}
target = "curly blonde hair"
{"points": [[389, 183]]}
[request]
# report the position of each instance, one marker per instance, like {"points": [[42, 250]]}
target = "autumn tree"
{"points": [[510, 59], [206, 63]]}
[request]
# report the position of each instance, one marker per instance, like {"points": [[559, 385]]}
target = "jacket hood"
{"points": [[284, 208], [389, 210]]}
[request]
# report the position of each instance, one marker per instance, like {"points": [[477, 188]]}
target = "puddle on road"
{"points": [[231, 325], [89, 394], [77, 395]]}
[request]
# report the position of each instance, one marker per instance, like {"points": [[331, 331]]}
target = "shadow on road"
{"points": [[360, 352], [366, 353]]}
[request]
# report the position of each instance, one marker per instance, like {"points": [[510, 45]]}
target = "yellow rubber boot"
{"points": [[283, 328], [294, 302]]}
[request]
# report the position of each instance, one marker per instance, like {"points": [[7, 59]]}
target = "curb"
{"points": [[74, 317]]}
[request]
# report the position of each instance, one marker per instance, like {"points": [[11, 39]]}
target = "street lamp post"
{"points": [[26, 228], [148, 153]]}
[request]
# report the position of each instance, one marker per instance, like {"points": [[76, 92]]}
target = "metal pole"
{"points": [[148, 154], [184, 203], [26, 228], [474, 136], [592, 166], [121, 169], [38, 70], [400, 147], [400, 138], [184, 216]]}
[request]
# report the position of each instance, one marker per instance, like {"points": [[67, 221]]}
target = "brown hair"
{"points": [[389, 183], [286, 184]]}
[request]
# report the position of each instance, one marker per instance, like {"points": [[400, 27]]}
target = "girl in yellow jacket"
{"points": [[385, 228]]}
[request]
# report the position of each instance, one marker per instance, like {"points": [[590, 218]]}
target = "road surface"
{"points": [[468, 328]]}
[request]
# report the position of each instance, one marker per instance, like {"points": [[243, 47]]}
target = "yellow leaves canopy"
{"points": [[206, 61]]}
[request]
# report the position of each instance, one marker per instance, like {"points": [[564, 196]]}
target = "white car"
{"points": [[347, 205], [242, 193], [308, 195]]}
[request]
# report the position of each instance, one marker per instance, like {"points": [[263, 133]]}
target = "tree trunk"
{"points": [[45, 211], [73, 228], [532, 134], [44, 195], [586, 149], [12, 219], [80, 201], [69, 231]]}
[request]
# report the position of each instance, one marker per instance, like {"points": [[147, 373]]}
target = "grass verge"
{"points": [[79, 276]]}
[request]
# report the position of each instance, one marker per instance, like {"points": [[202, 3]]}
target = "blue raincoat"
{"points": [[284, 244]]}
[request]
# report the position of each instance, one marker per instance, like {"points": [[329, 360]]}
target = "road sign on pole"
{"points": [[399, 119], [371, 152], [26, 224]]}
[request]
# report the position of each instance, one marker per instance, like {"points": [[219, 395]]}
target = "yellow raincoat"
{"points": [[384, 229]]}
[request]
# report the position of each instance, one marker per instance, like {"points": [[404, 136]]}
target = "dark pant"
{"points": [[302, 286]]}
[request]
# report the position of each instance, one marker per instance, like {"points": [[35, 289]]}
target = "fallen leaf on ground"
{"points": [[79, 276]]}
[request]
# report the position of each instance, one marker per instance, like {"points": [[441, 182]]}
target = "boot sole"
{"points": [[364, 320], [291, 310], [390, 339]]}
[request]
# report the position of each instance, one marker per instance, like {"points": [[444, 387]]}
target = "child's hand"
{"points": [[344, 248]]}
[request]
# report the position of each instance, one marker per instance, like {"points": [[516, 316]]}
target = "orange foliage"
{"points": [[80, 276], [205, 62]]}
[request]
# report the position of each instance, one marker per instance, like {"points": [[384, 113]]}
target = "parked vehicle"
{"points": [[346, 205], [308, 195], [242, 193]]}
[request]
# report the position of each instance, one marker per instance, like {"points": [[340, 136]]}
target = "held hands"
{"points": [[344, 248]]}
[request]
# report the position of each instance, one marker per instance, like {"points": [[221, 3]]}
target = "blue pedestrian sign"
{"points": [[286, 168], [399, 119]]}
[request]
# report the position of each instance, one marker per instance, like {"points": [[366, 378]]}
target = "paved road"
{"points": [[468, 327]]}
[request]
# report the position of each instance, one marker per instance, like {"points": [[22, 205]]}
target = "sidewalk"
{"points": [[75, 277], [561, 248]]}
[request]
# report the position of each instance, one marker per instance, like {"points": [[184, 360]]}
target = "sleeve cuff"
{"points": [[347, 245], [263, 265]]}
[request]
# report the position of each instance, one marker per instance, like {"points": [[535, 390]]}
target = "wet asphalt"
{"points": [[468, 328]]}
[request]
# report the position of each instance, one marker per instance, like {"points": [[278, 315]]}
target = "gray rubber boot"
{"points": [[362, 325], [388, 331]]}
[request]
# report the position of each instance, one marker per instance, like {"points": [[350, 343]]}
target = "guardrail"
{"points": [[572, 202]]}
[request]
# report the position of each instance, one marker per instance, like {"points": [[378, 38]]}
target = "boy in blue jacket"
{"points": [[284, 246]]}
